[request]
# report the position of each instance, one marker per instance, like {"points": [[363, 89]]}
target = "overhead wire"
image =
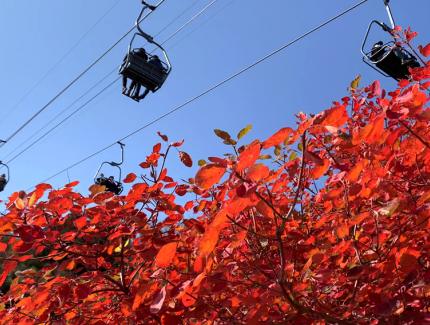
{"points": [[59, 61], [209, 90], [52, 129], [76, 79]]}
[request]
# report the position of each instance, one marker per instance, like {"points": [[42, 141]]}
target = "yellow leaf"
{"points": [[19, 204], [244, 132], [356, 82], [32, 199]]}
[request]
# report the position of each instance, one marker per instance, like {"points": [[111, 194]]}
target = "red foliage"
{"points": [[267, 247]]}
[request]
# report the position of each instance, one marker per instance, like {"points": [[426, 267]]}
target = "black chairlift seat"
{"points": [[136, 68], [144, 73], [386, 59], [390, 63], [115, 187]]}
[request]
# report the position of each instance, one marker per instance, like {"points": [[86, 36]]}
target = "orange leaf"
{"points": [[141, 294], [166, 255], [355, 172], [81, 222], [186, 159], [359, 218], [335, 116], [258, 172], [264, 209], [209, 240], [208, 175], [318, 171], [277, 138], [19, 204], [370, 133], [248, 157], [342, 230], [130, 178]]}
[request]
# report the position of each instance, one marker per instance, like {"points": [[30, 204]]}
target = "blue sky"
{"points": [[306, 77]]}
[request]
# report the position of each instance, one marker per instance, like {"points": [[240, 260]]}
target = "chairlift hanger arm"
{"points": [[390, 15]]}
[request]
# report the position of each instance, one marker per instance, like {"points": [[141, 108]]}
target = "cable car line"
{"points": [[98, 84], [64, 120], [76, 79], [207, 91], [64, 56], [228, 4], [31, 137]]}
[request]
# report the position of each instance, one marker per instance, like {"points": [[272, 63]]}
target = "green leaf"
{"points": [[265, 157], [286, 140], [277, 151], [300, 146], [293, 156], [244, 132], [222, 134], [356, 82], [201, 162]]}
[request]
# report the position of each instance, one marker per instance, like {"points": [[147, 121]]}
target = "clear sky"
{"points": [[306, 77]]}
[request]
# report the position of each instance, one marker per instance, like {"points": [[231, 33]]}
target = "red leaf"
{"points": [[342, 230], [277, 138], [157, 304], [43, 186], [81, 222], [334, 116], [375, 89], [166, 255], [29, 234], [309, 155], [63, 294], [162, 174], [186, 159], [8, 266], [130, 178], [72, 184], [145, 165], [3, 247], [22, 247], [156, 148], [100, 198], [424, 50], [208, 175], [82, 291], [177, 144], [164, 137], [67, 265]]}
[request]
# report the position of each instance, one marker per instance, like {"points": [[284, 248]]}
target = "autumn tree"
{"points": [[327, 223]]}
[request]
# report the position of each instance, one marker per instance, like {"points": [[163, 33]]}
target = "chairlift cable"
{"points": [[76, 79], [64, 56], [64, 120], [209, 90], [34, 134], [228, 4], [95, 86]]}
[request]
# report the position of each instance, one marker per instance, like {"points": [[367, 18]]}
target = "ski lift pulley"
{"points": [[116, 186], [388, 59]]}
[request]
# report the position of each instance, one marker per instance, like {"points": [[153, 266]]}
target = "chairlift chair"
{"points": [[389, 64], [2, 187], [114, 164], [139, 70]]}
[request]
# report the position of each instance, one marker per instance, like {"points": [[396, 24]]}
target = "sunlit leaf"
{"points": [[244, 132]]}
